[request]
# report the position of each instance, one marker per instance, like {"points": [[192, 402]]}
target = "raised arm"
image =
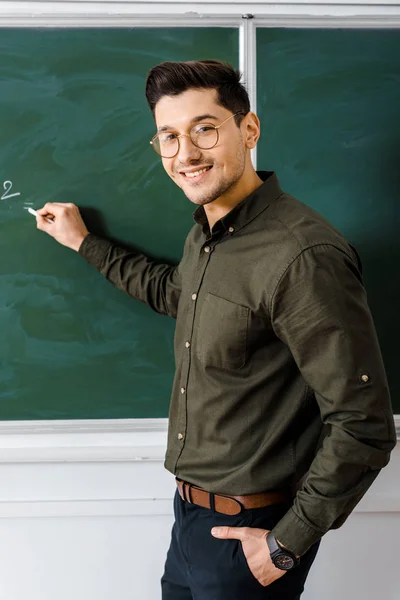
{"points": [[157, 285]]}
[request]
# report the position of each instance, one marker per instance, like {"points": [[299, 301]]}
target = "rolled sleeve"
{"points": [[94, 250], [320, 310]]}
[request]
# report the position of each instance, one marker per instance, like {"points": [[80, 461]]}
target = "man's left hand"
{"points": [[255, 549]]}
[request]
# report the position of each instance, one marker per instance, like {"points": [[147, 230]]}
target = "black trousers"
{"points": [[201, 567]]}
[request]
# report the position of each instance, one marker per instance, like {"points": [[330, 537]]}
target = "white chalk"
{"points": [[34, 213]]}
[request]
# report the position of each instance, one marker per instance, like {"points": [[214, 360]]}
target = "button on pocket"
{"points": [[222, 333]]}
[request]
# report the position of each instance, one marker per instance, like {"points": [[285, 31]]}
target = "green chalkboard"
{"points": [[329, 102], [75, 128]]}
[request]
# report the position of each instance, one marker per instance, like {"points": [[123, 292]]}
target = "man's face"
{"points": [[225, 163]]}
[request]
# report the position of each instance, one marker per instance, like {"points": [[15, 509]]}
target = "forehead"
{"points": [[181, 110]]}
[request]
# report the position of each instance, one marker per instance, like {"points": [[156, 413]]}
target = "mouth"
{"points": [[195, 176]]}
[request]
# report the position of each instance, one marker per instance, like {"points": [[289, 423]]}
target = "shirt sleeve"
{"points": [[157, 285], [319, 309]]}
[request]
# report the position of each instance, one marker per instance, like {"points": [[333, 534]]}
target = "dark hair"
{"points": [[173, 78]]}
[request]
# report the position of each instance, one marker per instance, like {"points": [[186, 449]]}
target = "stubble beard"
{"points": [[208, 195]]}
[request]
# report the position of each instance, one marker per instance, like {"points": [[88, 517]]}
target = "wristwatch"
{"points": [[283, 559]]}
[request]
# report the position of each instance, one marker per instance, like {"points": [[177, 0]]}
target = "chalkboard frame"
{"points": [[185, 13], [132, 14]]}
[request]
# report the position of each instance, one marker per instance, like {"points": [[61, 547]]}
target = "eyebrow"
{"points": [[194, 120]]}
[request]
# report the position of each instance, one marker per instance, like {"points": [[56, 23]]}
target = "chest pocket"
{"points": [[222, 333]]}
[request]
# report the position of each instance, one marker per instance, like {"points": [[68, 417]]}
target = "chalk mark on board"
{"points": [[7, 185]]}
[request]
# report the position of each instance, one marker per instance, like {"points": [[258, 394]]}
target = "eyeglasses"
{"points": [[203, 135]]}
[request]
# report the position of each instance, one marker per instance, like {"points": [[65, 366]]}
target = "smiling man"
{"points": [[280, 415], [212, 179]]}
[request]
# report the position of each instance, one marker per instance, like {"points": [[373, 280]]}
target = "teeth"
{"points": [[196, 173]]}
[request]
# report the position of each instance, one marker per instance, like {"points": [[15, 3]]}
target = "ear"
{"points": [[251, 130]]}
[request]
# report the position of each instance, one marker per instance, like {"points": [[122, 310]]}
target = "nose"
{"points": [[188, 152]]}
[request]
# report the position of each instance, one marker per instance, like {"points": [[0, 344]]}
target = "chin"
{"points": [[201, 200], [201, 197]]}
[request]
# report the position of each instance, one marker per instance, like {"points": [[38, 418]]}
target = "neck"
{"points": [[221, 206]]}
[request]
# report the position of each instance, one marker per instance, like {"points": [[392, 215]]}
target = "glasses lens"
{"points": [[204, 135], [166, 144]]}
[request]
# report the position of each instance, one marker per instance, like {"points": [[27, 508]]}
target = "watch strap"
{"points": [[272, 543], [277, 553]]}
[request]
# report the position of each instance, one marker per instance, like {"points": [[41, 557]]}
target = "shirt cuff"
{"points": [[295, 534], [94, 249]]}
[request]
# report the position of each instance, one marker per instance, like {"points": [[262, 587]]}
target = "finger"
{"points": [[47, 209], [233, 533], [43, 223], [54, 208], [48, 217], [49, 206]]}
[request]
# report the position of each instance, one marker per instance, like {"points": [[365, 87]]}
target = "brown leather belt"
{"points": [[228, 505]]}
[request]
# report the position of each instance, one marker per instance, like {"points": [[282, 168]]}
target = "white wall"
{"points": [[86, 512]]}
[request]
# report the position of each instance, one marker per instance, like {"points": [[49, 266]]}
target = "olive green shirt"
{"points": [[279, 379]]}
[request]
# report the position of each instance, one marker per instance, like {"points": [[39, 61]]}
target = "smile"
{"points": [[193, 174]]}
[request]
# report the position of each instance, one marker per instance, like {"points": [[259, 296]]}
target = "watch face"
{"points": [[284, 562]]}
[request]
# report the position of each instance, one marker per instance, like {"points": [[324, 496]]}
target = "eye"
{"points": [[167, 138], [204, 128]]}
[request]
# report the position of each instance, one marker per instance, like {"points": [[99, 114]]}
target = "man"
{"points": [[280, 415]]}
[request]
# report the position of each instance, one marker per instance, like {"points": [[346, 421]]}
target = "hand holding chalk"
{"points": [[63, 222], [34, 213]]}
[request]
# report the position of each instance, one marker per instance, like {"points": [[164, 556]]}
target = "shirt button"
{"points": [[183, 390], [194, 296], [207, 249], [364, 378], [187, 344], [231, 229], [180, 436]]}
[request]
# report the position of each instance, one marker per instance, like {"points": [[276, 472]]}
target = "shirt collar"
{"points": [[248, 208]]}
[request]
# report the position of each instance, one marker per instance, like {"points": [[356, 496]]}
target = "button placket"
{"points": [[207, 249], [197, 283]]}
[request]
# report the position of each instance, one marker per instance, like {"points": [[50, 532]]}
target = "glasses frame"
{"points": [[216, 127]]}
